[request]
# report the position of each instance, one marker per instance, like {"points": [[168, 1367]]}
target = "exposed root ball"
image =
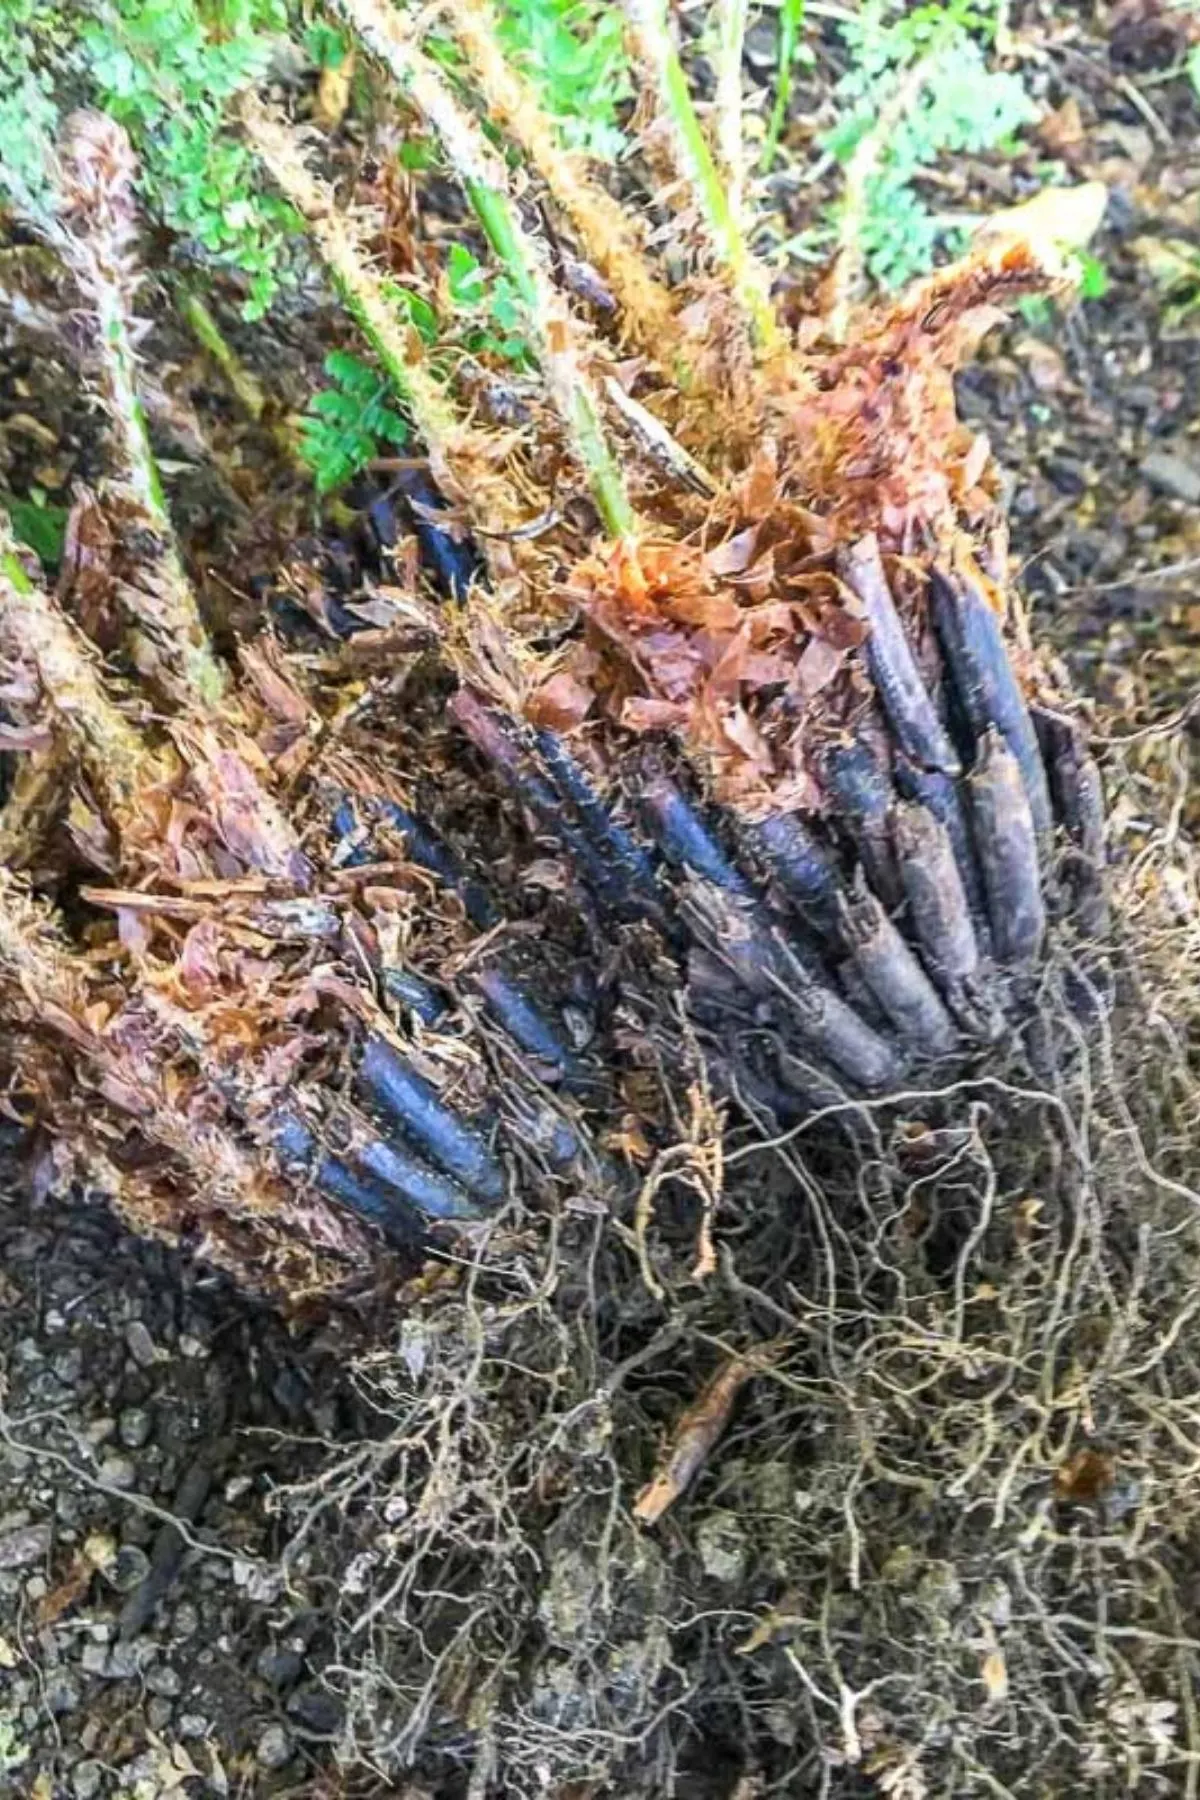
{"points": [[908, 1462]]}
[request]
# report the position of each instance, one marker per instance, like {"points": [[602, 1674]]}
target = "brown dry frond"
{"points": [[869, 433], [740, 638], [96, 227], [52, 989], [33, 627]]}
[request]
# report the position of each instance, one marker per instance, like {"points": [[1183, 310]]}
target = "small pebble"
{"points": [[124, 1662], [158, 1712], [140, 1344], [165, 1681], [141, 1775], [280, 1667], [1174, 474], [128, 1569], [100, 1549], [191, 1725], [68, 1510], [113, 1662], [28, 1544], [721, 1544], [761, 49], [134, 1427], [118, 1472], [139, 1529], [274, 1749], [68, 1366], [317, 1710], [61, 1693], [86, 1778]]}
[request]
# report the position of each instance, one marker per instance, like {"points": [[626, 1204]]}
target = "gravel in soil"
{"points": [[148, 1642], [1094, 414]]}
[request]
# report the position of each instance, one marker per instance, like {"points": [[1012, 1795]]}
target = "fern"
{"points": [[326, 45], [167, 70], [490, 299], [349, 423], [960, 107], [28, 109], [574, 53], [38, 523]]}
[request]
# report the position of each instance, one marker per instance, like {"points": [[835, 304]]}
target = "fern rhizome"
{"points": [[618, 870]]}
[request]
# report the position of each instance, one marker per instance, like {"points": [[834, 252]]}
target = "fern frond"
{"points": [[485, 179], [55, 985], [460, 458]]}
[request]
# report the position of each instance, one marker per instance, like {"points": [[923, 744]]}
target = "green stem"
{"points": [[363, 293], [15, 572], [382, 341], [128, 413], [171, 627], [591, 444], [608, 235], [511, 248], [791, 23], [417, 387], [505, 236], [650, 21], [203, 326]]}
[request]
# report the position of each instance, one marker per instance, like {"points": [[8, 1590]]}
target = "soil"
{"points": [[136, 1387], [138, 1390]]}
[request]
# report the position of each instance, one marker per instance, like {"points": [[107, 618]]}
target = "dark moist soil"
{"points": [[133, 1385], [134, 1388], [1094, 415]]}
